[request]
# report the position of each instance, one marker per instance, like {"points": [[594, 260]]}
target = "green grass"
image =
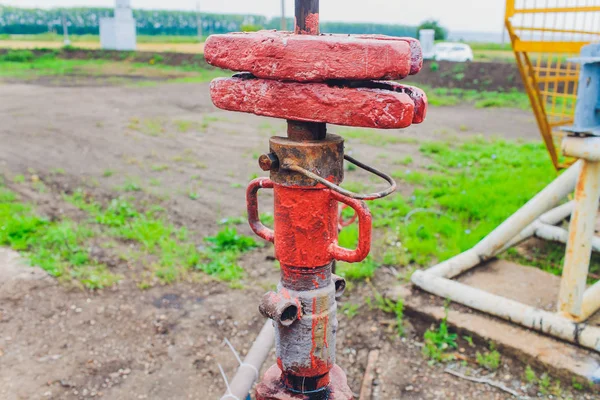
{"points": [[471, 188], [375, 138], [489, 360], [480, 99], [23, 64], [439, 342], [468, 189], [58, 247], [174, 255]]}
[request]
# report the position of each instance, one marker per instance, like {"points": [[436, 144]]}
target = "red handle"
{"points": [[252, 205], [364, 231]]}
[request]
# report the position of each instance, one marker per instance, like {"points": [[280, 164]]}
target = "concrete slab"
{"points": [[525, 284]]}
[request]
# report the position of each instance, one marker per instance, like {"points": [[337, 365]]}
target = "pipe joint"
{"points": [[284, 310]]}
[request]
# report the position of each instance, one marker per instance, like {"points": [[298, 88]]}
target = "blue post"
{"points": [[587, 110]]}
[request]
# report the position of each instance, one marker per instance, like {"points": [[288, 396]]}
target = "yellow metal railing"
{"points": [[545, 34]]}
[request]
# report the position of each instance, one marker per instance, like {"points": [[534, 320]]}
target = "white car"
{"points": [[457, 52]]}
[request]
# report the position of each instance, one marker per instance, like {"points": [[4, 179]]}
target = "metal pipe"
{"points": [[307, 17], [551, 217], [247, 373], [579, 245], [497, 240], [591, 301], [584, 148], [554, 233], [510, 310]]}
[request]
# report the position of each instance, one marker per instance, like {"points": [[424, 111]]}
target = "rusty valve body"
{"points": [[310, 80]]}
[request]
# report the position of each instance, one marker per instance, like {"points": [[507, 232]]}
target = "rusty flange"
{"points": [[324, 157]]}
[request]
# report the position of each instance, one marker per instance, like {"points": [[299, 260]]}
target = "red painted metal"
{"points": [[306, 224], [310, 80], [272, 387], [316, 102], [306, 58]]}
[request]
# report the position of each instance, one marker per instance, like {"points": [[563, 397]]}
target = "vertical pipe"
{"points": [[283, 21], [307, 23], [579, 245], [307, 17]]}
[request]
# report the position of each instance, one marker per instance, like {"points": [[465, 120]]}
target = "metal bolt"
{"points": [[268, 162]]}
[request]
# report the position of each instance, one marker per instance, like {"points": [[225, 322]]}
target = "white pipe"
{"points": [[551, 217], [584, 148], [591, 301], [510, 310], [556, 234], [579, 244], [497, 240], [248, 372]]}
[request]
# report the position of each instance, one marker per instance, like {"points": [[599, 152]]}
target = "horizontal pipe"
{"points": [[556, 234], [584, 148], [248, 372], [530, 317], [591, 301]]}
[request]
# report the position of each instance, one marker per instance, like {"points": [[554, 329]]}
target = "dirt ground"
{"points": [[61, 342]]}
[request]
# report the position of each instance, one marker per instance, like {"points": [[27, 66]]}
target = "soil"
{"points": [[61, 342]]}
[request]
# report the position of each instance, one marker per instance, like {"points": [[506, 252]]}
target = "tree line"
{"points": [[83, 21]]}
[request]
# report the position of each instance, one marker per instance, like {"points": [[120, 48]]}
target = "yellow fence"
{"points": [[545, 34]]}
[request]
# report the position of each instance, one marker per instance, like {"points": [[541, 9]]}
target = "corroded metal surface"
{"points": [[317, 102], [310, 80], [272, 388], [306, 58], [324, 157]]}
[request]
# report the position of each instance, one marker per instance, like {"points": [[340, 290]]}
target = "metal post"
{"points": [[283, 20], [579, 246], [307, 17]]}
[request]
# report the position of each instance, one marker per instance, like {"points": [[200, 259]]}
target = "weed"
{"points": [[193, 195], [229, 240], [350, 310], [489, 360], [576, 385], [183, 126], [57, 171], [388, 306], [19, 179], [469, 340], [434, 66], [357, 271], [131, 186], [159, 167], [439, 341], [544, 383], [530, 375], [154, 182], [405, 161], [108, 173]]}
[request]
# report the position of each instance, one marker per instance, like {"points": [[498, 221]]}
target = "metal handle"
{"points": [[364, 232], [252, 206], [340, 190]]}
